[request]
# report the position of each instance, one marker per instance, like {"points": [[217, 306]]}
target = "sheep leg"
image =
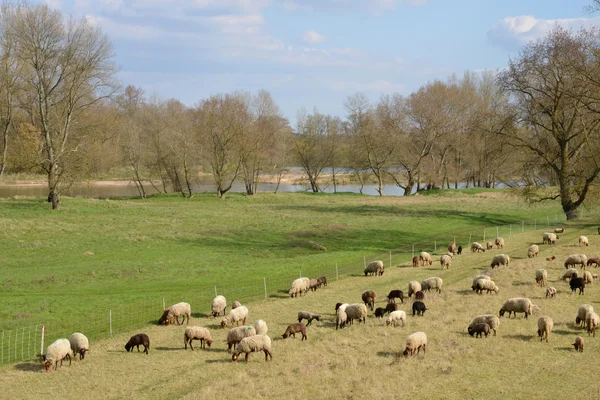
{"points": [[246, 359], [191, 340], [304, 336], [145, 349], [268, 353]]}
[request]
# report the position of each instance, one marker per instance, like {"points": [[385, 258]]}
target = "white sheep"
{"points": [[196, 333], [79, 345], [487, 285], [583, 241], [549, 238], [533, 251], [541, 277], [545, 325], [478, 277], [237, 315], [489, 245], [218, 305], [374, 268], [413, 287], [253, 344], [559, 230], [356, 311], [477, 247], [582, 313], [425, 257], [415, 342], [396, 317], [550, 292], [299, 287], [576, 259], [57, 351], [445, 261], [569, 274], [235, 305], [433, 283], [341, 317], [261, 327], [492, 320], [308, 316], [500, 259], [499, 242], [592, 319], [235, 335], [515, 305], [588, 277], [175, 311]]}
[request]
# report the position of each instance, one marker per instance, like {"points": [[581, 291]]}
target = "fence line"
{"points": [[121, 319]]}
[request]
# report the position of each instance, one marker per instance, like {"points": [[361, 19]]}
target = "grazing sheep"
{"points": [[292, 329], [587, 276], [541, 277], [499, 242], [313, 285], [175, 311], [413, 287], [337, 305], [445, 261], [322, 281], [235, 335], [592, 319], [419, 308], [415, 342], [136, 340], [218, 306], [500, 259], [235, 305], [356, 311], [551, 258], [479, 329], [478, 277], [237, 315], [368, 297], [582, 312], [196, 333], [452, 248], [396, 318], [374, 268], [477, 247], [425, 257], [299, 287], [308, 316], [559, 230], [57, 351], [433, 283], [261, 327], [415, 262], [545, 325], [549, 238], [380, 312], [517, 305], [79, 345], [583, 241], [487, 285], [391, 307], [395, 294], [253, 344], [577, 283], [533, 251], [594, 261], [569, 274], [576, 259], [459, 250], [550, 292], [341, 317], [578, 344], [490, 319], [419, 295], [489, 245]]}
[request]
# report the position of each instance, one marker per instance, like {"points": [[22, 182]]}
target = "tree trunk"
{"points": [[53, 195], [4, 152]]}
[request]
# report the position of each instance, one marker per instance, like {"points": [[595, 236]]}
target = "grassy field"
{"points": [[362, 361]]}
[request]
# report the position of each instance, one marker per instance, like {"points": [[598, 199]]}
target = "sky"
{"points": [[315, 53]]}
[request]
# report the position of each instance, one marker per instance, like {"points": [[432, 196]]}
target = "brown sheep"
{"points": [[322, 281], [415, 262], [391, 307], [368, 297], [136, 340], [452, 248], [295, 328], [578, 344], [592, 261]]}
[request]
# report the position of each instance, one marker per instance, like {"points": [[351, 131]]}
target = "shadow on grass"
{"points": [[222, 361], [169, 348], [522, 283], [562, 332], [387, 354], [201, 315], [569, 349], [30, 367], [214, 326], [523, 338], [464, 291]]}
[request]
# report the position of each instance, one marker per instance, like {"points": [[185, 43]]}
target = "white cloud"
{"points": [[313, 37], [375, 6], [373, 86]]}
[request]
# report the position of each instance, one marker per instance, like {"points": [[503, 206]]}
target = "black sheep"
{"points": [[479, 329], [136, 340], [577, 283], [379, 312], [459, 251], [419, 308], [395, 294]]}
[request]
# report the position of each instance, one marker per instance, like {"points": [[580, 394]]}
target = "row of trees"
{"points": [[62, 113]]}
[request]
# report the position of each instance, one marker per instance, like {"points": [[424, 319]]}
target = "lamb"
{"points": [[341, 317], [489, 245], [551, 258], [396, 318], [545, 325], [237, 315], [533, 251], [477, 247], [356, 311], [500, 259], [576, 259], [380, 312], [368, 297], [434, 283], [314, 284], [487, 285], [299, 287], [419, 295], [490, 319], [550, 292], [517, 305], [322, 281], [549, 238], [136, 340], [218, 306], [592, 319], [583, 241], [445, 261], [174, 311], [419, 308], [261, 327], [582, 312], [559, 230], [79, 345], [308, 316], [578, 344], [478, 277], [235, 305], [479, 329], [415, 262], [577, 283], [391, 307], [425, 257], [415, 342], [452, 248], [57, 351], [459, 250], [196, 333], [592, 261], [253, 344], [569, 274], [235, 335], [295, 328], [395, 294], [587, 277], [413, 287], [499, 242], [541, 277], [374, 268]]}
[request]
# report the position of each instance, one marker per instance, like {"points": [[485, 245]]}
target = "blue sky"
{"points": [[315, 53]]}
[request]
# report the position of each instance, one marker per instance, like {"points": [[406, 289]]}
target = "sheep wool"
{"points": [[492, 320], [475, 246], [445, 261], [396, 317], [299, 287], [261, 327], [415, 342], [500, 259], [541, 277], [576, 259], [414, 287], [582, 312], [487, 285], [218, 305], [235, 304], [196, 333], [588, 277], [79, 345], [499, 242], [341, 317], [569, 274], [533, 251], [175, 311], [235, 335], [433, 283], [253, 344], [545, 325], [374, 268], [56, 352], [583, 241], [425, 257], [478, 277], [517, 305], [235, 316], [356, 311], [549, 238], [592, 319]]}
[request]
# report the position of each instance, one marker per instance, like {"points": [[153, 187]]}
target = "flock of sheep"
{"points": [[246, 339]]}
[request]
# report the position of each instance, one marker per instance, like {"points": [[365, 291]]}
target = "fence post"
{"points": [[43, 334], [413, 251], [336, 272], [110, 321], [2, 347], [265, 282], [390, 259], [22, 343], [470, 241], [522, 226], [365, 261], [548, 220], [164, 306], [484, 236], [34, 339], [216, 290], [29, 344], [8, 346], [435, 246]]}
